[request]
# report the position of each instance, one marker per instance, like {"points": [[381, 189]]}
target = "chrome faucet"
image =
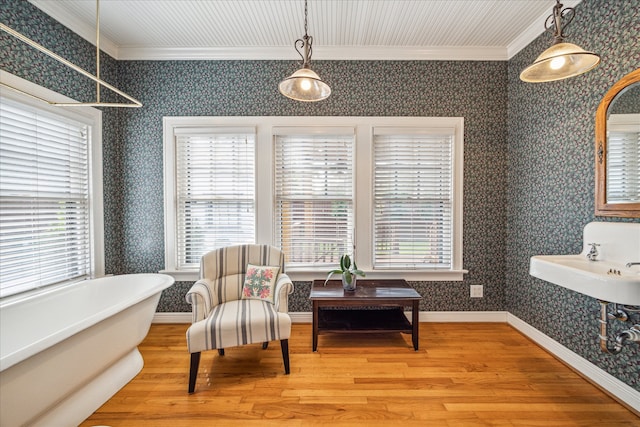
{"points": [[593, 253], [629, 264]]}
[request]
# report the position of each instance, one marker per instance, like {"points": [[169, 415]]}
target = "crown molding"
{"points": [[331, 53]]}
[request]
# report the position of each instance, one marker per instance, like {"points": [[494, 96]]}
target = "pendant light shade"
{"points": [[562, 60], [304, 85]]}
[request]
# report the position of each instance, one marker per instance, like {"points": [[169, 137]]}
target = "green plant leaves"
{"points": [[346, 269]]}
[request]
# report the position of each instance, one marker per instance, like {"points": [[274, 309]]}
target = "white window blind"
{"points": [[45, 234], [315, 193], [314, 197], [413, 193], [623, 167], [215, 191]]}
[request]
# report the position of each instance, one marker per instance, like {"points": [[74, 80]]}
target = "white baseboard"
{"points": [[429, 316], [296, 317], [603, 379], [301, 317], [184, 317], [425, 316], [618, 389], [463, 316]]}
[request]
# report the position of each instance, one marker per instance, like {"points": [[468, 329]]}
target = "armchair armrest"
{"points": [[284, 287], [199, 296]]}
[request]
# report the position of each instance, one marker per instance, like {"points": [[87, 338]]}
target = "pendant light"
{"points": [[304, 85], [562, 60]]}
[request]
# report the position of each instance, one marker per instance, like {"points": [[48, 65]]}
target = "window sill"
{"points": [[309, 275], [408, 275]]}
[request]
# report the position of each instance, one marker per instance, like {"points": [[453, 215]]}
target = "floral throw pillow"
{"points": [[260, 282]]}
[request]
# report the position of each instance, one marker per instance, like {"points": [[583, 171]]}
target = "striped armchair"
{"points": [[222, 317]]}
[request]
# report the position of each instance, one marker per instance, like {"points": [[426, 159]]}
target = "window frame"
{"points": [[363, 182], [93, 118]]}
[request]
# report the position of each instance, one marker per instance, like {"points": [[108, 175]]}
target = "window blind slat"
{"points": [[314, 195], [215, 190], [413, 194], [623, 166], [44, 198]]}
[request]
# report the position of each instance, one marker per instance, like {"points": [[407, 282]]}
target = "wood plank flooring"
{"points": [[475, 374]]}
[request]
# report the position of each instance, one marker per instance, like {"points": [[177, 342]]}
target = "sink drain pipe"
{"points": [[631, 334]]}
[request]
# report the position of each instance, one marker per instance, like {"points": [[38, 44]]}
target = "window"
{"points": [[413, 195], [314, 196], [215, 186], [48, 218], [623, 158], [387, 190]]}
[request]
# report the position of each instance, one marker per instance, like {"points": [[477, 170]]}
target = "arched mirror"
{"points": [[618, 149]]}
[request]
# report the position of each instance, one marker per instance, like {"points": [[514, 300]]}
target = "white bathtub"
{"points": [[66, 351]]}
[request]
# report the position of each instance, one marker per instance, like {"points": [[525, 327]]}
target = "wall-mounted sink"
{"points": [[608, 278], [591, 278]]}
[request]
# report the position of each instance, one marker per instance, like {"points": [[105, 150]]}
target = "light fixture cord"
{"points": [[305, 17], [305, 42]]}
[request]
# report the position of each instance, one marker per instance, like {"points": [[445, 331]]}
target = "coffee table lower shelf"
{"points": [[363, 321]]}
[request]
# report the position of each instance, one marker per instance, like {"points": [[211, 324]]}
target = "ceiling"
{"points": [[341, 29]]}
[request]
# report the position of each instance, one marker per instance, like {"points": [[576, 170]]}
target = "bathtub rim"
{"points": [[10, 359]]}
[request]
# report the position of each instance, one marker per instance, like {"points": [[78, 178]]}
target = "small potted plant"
{"points": [[348, 271]]}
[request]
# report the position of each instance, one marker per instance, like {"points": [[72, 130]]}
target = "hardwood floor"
{"points": [[475, 374]]}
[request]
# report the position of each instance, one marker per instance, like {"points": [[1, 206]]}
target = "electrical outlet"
{"points": [[476, 291]]}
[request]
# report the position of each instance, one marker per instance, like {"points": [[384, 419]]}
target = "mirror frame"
{"points": [[624, 210]]}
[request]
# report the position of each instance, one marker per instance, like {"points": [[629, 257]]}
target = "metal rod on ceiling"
{"points": [[99, 82]]}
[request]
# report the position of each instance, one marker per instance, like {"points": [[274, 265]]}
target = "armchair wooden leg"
{"points": [[265, 345], [193, 373], [285, 355], [221, 351]]}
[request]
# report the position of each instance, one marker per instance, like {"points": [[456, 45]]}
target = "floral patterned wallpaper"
{"points": [[550, 178], [528, 173], [474, 90]]}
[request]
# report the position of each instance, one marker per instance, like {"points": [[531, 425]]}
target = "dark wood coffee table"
{"points": [[375, 306]]}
